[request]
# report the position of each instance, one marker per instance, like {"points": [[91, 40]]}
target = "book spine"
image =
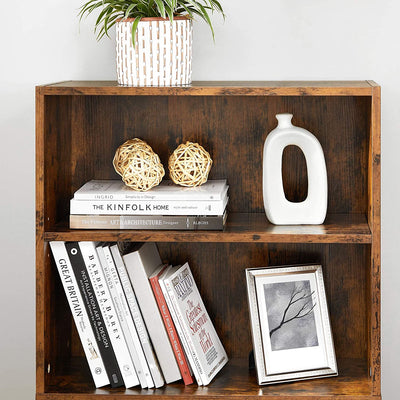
{"points": [[99, 207], [123, 352], [137, 318], [143, 196], [108, 311], [185, 345], [175, 222], [89, 343], [99, 327], [215, 191], [172, 334], [127, 324], [140, 264], [197, 369]]}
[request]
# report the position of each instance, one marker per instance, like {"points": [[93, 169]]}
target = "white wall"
{"points": [[283, 40]]}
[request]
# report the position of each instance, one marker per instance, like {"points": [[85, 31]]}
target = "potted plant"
{"points": [[154, 37]]}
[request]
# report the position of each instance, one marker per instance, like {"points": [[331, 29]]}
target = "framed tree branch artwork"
{"points": [[292, 338]]}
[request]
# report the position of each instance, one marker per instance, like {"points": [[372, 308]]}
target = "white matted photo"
{"points": [[292, 337]]}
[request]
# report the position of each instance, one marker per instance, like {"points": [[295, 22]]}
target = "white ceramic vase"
{"points": [[279, 210], [162, 55]]}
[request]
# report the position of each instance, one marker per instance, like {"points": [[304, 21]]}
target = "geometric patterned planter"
{"points": [[162, 55]]}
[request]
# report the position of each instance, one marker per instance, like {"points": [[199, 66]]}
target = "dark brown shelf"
{"points": [[80, 124], [216, 88], [240, 227], [234, 381]]}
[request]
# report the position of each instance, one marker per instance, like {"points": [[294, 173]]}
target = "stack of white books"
{"points": [[110, 204], [140, 322]]}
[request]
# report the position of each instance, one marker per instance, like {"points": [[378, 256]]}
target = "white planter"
{"points": [[162, 55]]}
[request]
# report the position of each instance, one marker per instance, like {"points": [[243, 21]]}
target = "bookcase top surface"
{"points": [[216, 88]]}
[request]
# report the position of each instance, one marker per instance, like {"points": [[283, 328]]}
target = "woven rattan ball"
{"points": [[189, 165], [138, 165]]}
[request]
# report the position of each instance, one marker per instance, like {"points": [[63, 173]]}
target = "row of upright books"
{"points": [[140, 322], [110, 204]]}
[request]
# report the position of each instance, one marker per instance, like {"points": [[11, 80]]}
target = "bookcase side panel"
{"points": [[40, 284], [374, 219]]}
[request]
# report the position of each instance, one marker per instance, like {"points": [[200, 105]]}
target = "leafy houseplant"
{"points": [[158, 52], [114, 10]]}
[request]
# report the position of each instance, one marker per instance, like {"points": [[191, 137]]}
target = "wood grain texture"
{"points": [[234, 381], [57, 157], [294, 174], [40, 284], [374, 218], [215, 88], [344, 271], [236, 126], [80, 124], [52, 341], [219, 272], [240, 227]]}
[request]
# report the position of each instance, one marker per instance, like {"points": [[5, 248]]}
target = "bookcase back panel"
{"points": [[57, 156], [294, 171], [219, 273], [83, 133], [345, 270]]}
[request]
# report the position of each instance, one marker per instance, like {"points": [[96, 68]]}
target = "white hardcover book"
{"points": [[137, 317], [188, 352], [79, 314], [140, 264], [166, 190], [100, 286], [151, 207], [199, 331], [128, 327], [127, 352], [186, 340]]}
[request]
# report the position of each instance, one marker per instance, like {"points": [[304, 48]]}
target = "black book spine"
{"points": [[94, 313]]}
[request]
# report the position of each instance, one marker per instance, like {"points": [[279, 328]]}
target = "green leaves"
{"points": [[160, 8], [134, 28], [113, 10]]}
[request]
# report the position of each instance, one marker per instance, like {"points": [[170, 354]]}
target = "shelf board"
{"points": [[234, 381], [215, 88], [240, 227]]}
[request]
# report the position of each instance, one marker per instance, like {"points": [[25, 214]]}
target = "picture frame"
{"points": [[292, 338]]}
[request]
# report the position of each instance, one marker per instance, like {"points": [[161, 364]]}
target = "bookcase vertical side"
{"points": [[40, 261], [374, 220]]}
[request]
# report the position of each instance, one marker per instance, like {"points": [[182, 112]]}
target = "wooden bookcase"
{"points": [[79, 125]]}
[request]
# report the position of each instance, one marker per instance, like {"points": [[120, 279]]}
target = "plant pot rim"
{"points": [[149, 19]]}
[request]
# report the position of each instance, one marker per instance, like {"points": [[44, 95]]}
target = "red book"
{"points": [[170, 327]]}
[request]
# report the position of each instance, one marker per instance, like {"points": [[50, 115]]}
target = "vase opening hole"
{"points": [[294, 174]]}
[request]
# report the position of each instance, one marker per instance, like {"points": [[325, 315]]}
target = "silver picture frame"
{"points": [[292, 337]]}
